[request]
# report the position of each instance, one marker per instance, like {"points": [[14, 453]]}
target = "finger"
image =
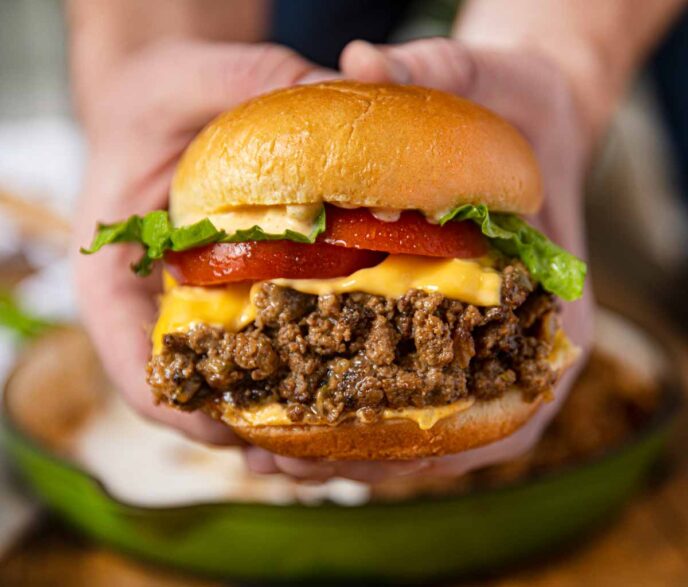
{"points": [[263, 462], [496, 453], [195, 426], [260, 461], [367, 63], [366, 471], [436, 63], [188, 84], [501, 451], [376, 471]]}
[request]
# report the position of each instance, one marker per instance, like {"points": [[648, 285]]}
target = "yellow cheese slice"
{"points": [[458, 279], [183, 306], [231, 306]]}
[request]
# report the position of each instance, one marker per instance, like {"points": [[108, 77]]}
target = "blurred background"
{"points": [[636, 201]]}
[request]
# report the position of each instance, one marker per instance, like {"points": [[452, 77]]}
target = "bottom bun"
{"points": [[474, 425], [396, 439]]}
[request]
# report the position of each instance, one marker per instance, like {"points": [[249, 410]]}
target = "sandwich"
{"points": [[348, 275]]}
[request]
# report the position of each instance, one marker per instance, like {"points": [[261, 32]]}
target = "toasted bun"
{"points": [[355, 144], [483, 422]]}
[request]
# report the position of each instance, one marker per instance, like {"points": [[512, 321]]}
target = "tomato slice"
{"points": [[412, 234], [351, 242], [231, 262]]}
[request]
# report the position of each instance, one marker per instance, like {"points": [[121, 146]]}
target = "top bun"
{"points": [[355, 144]]}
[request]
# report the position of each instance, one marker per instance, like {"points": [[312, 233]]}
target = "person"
{"points": [[149, 75]]}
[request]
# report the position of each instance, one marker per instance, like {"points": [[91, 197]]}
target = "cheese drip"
{"points": [[458, 279]]}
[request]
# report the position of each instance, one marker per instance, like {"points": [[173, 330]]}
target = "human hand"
{"points": [[137, 126], [533, 94]]}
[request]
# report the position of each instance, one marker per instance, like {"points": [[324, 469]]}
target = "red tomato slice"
{"points": [[412, 234], [230, 262]]}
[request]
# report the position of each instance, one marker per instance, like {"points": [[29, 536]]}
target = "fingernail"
{"points": [[370, 57]]}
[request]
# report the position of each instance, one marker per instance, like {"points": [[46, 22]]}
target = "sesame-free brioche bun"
{"points": [[480, 423], [399, 439], [355, 144]]}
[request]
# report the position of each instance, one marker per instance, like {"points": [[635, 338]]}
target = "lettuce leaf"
{"points": [[155, 233], [557, 270]]}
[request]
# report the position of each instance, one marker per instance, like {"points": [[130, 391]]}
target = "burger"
{"points": [[347, 275]]}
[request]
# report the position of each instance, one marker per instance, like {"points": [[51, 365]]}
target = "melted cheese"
{"points": [[458, 279], [276, 415], [182, 306], [232, 308]]}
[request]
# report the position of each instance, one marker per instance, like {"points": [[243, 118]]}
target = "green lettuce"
{"points": [[557, 270], [155, 233]]}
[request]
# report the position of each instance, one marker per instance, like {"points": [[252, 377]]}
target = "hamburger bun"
{"points": [[354, 144], [375, 146]]}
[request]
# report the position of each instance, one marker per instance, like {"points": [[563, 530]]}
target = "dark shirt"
{"points": [[669, 68], [320, 29]]}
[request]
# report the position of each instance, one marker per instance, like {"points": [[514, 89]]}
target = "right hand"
{"points": [[137, 125]]}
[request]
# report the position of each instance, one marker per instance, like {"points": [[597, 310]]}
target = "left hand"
{"points": [[138, 123], [533, 93]]}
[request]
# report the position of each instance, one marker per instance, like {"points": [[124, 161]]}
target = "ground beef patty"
{"points": [[333, 355]]}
